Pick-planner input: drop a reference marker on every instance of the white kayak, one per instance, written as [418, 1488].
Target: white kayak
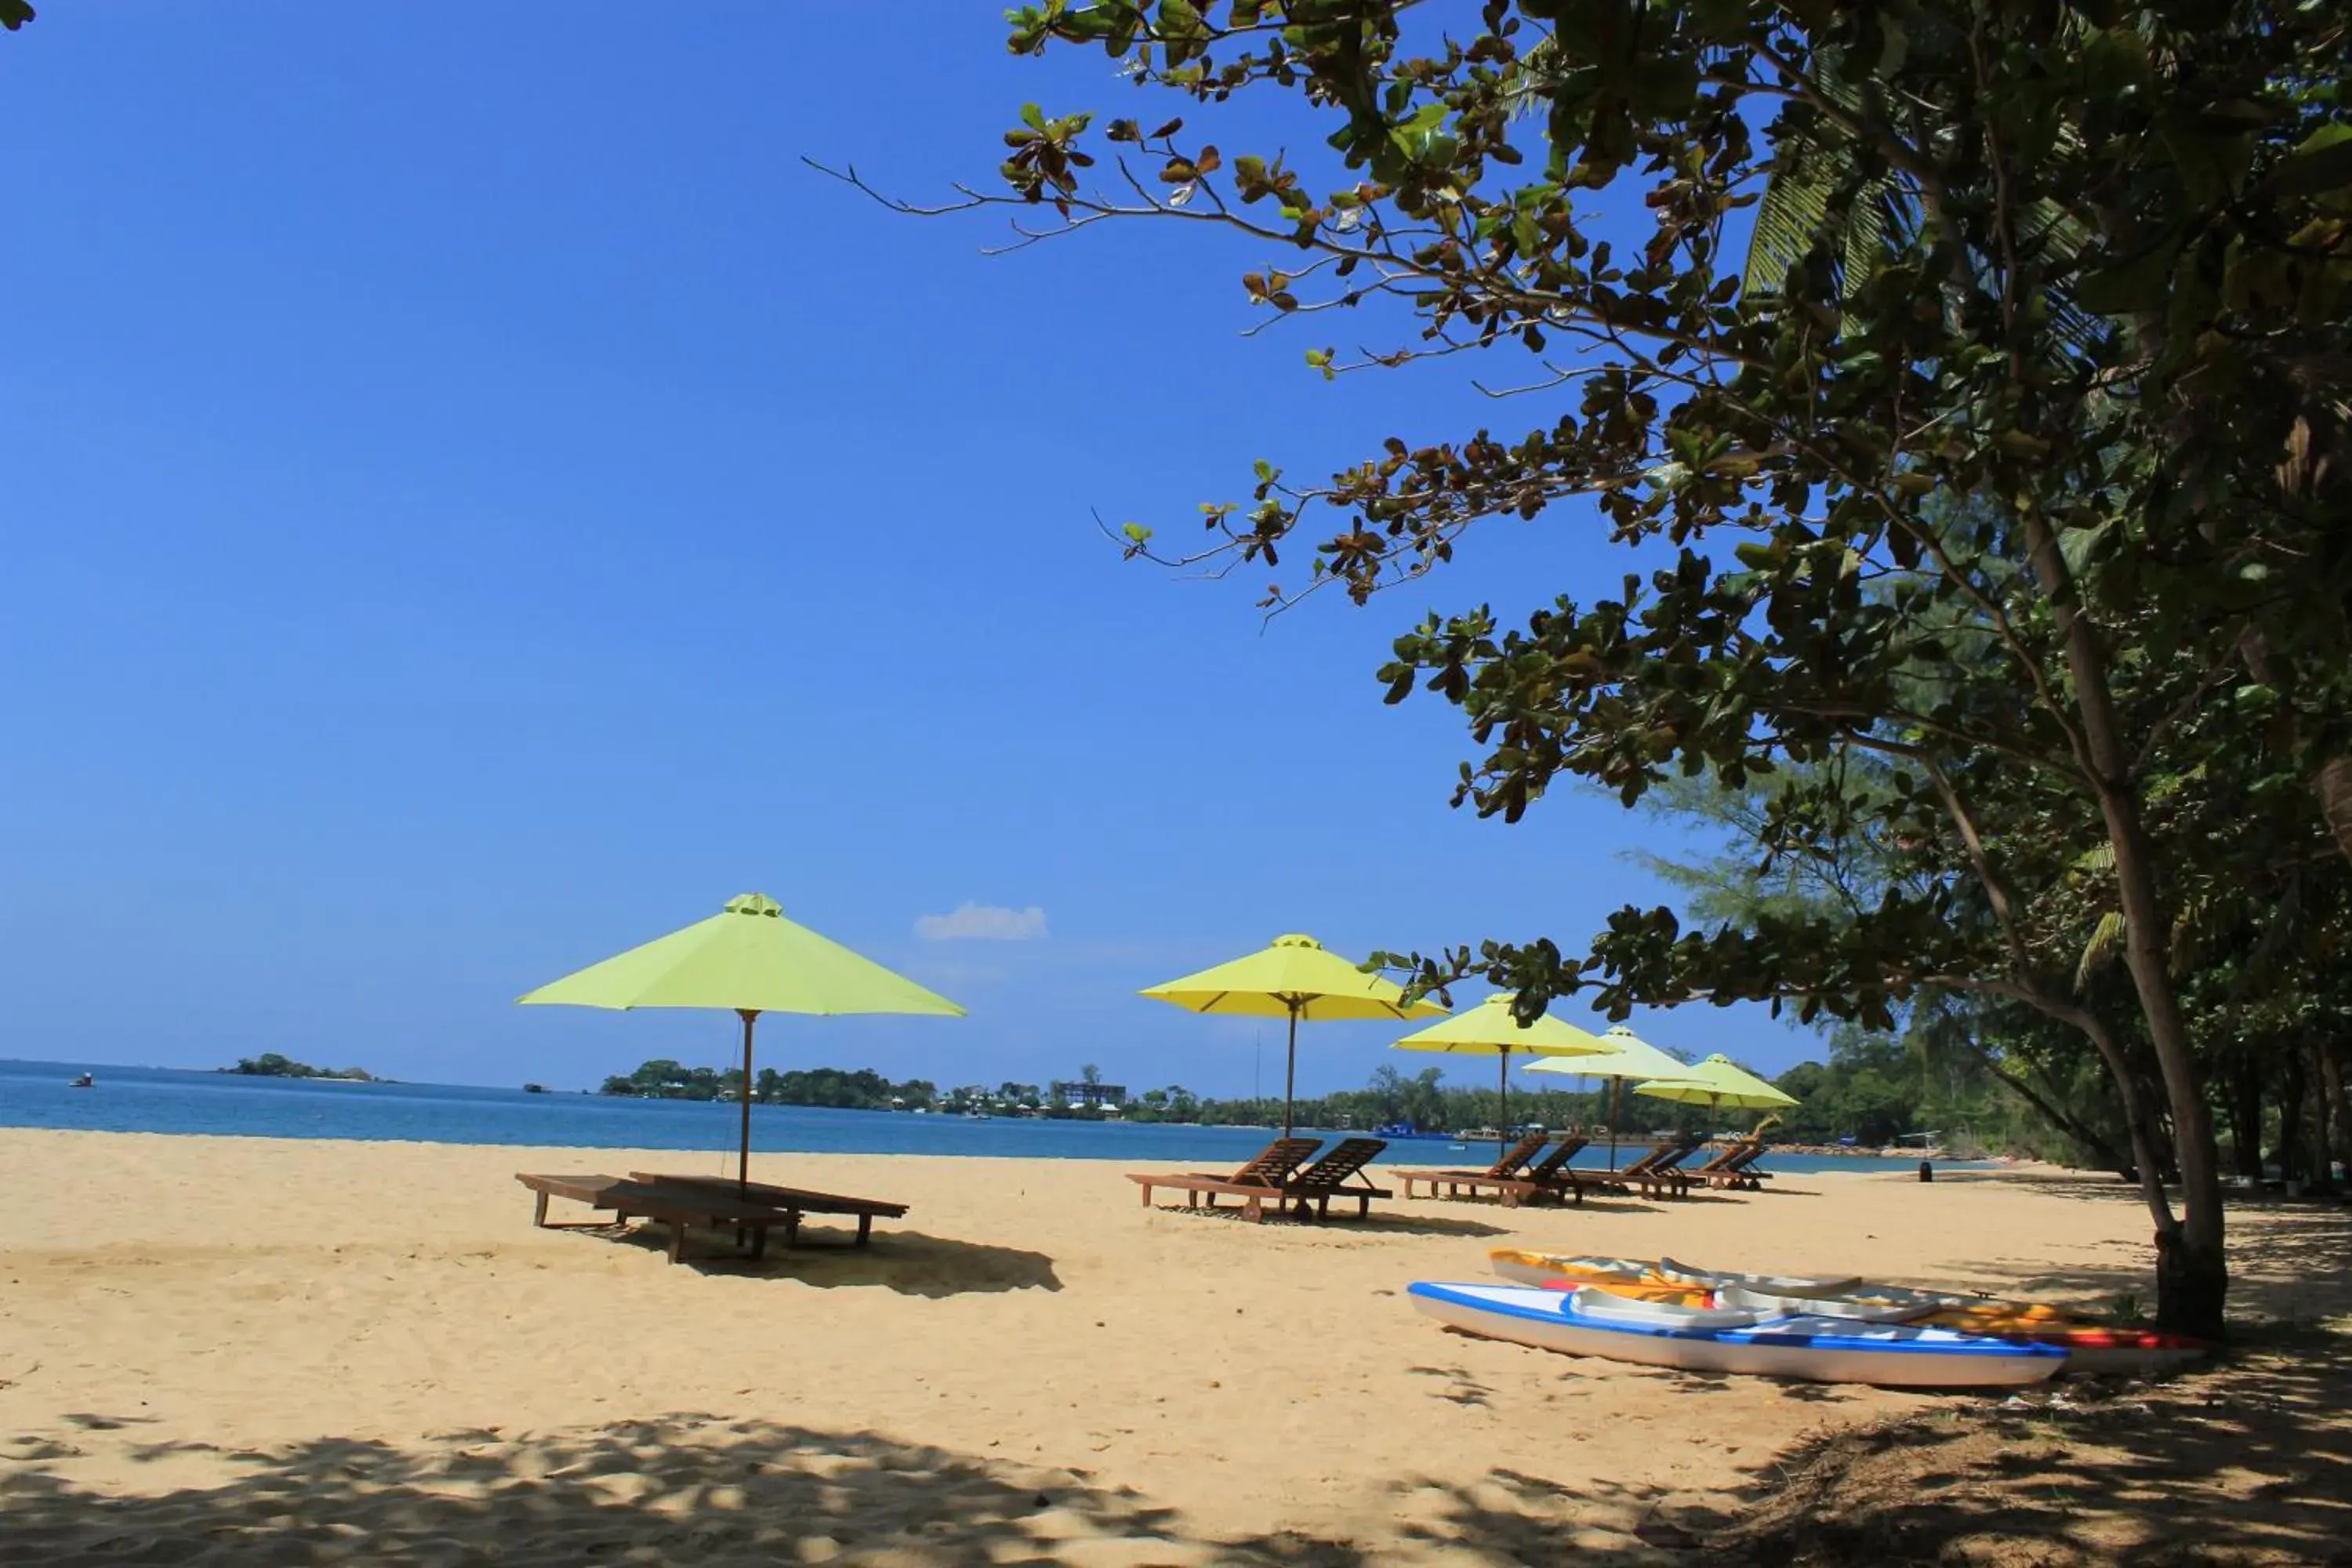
[1811, 1347]
[1674, 1273]
[1535, 1267]
[1848, 1309]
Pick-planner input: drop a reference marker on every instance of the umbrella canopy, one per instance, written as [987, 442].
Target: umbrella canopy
[1716, 1082]
[751, 959]
[1630, 1057]
[1490, 1029]
[1293, 978]
[748, 957]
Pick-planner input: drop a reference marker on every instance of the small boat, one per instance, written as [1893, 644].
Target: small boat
[1592, 1321]
[84, 1082]
[1666, 1268]
[1619, 1275]
[2095, 1349]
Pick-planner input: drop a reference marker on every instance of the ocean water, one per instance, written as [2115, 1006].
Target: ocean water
[165, 1100]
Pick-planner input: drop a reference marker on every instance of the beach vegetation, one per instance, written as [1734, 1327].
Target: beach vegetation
[271, 1064]
[1994, 460]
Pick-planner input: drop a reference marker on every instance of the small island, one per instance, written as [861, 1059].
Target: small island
[269, 1064]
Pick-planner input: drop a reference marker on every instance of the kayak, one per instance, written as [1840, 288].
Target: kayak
[1592, 1321]
[2095, 1348]
[1619, 1275]
[1533, 1268]
[1668, 1269]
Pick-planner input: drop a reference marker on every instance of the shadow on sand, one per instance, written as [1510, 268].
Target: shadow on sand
[691, 1489]
[1379, 1222]
[907, 1261]
[2252, 1464]
[681, 1488]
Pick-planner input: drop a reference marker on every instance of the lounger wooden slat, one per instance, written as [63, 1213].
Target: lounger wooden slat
[1339, 1174]
[1262, 1178]
[789, 1202]
[1735, 1167]
[1653, 1176]
[678, 1208]
[1511, 1180]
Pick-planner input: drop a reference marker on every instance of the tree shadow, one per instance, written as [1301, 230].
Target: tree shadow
[2252, 1464]
[680, 1489]
[2287, 1261]
[1508, 1516]
[907, 1261]
[1379, 1222]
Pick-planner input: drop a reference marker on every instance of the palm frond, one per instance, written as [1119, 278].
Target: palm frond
[2100, 951]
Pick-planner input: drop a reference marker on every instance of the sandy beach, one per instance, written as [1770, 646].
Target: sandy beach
[218, 1350]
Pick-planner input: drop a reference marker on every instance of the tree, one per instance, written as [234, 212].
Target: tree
[1090, 1073]
[1923, 462]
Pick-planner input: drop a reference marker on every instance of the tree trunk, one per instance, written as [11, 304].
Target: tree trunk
[2291, 1098]
[2321, 1154]
[2334, 787]
[2192, 1268]
[2090, 1139]
[2192, 1286]
[2331, 1083]
[2243, 1097]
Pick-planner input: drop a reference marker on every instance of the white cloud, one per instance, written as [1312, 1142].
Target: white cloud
[982, 922]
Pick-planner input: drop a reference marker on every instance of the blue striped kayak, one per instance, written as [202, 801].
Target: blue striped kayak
[1765, 1344]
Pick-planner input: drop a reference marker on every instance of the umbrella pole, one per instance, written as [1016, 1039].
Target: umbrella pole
[1290, 1070]
[743, 1158]
[1503, 1091]
[1616, 1106]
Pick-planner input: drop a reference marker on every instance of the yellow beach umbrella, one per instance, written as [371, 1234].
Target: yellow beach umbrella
[1298, 978]
[1490, 1029]
[749, 960]
[1629, 1058]
[1715, 1083]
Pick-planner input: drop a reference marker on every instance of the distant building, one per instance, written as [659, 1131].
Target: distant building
[1090, 1096]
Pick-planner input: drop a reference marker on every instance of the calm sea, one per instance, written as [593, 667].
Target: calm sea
[164, 1099]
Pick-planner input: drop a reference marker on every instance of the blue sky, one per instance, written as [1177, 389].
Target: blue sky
[475, 502]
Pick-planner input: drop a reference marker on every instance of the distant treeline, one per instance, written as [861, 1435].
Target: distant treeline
[843, 1090]
[1862, 1093]
[269, 1064]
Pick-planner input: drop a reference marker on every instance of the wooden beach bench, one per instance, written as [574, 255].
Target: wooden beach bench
[791, 1203]
[1339, 1173]
[1263, 1177]
[676, 1207]
[1736, 1167]
[1511, 1179]
[1655, 1174]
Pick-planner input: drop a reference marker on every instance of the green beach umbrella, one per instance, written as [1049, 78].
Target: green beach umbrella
[1294, 977]
[749, 960]
[1490, 1030]
[1716, 1082]
[1629, 1058]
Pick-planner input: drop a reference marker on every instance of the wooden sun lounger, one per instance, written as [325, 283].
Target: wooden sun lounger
[1261, 1179]
[791, 1203]
[1339, 1173]
[680, 1208]
[1653, 1176]
[1736, 1167]
[1507, 1170]
[1511, 1179]
[1726, 1158]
